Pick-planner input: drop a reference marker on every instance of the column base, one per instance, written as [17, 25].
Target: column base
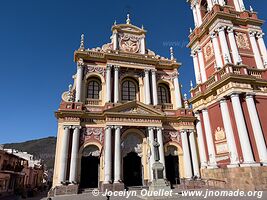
[106, 187]
[233, 165]
[118, 186]
[250, 165]
[212, 167]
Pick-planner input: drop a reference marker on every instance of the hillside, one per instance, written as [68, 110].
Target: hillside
[43, 148]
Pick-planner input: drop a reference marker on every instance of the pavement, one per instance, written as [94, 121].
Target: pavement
[176, 194]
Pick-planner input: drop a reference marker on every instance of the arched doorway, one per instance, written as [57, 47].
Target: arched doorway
[172, 165]
[132, 168]
[132, 160]
[90, 167]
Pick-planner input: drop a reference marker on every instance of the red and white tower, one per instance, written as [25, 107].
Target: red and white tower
[230, 97]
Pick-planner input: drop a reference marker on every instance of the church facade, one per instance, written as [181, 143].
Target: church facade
[126, 100]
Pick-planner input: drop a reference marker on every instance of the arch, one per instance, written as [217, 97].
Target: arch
[168, 83]
[129, 89]
[96, 75]
[101, 162]
[180, 156]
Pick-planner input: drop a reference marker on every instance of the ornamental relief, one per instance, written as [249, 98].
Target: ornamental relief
[129, 43]
[219, 134]
[97, 69]
[96, 133]
[242, 40]
[208, 51]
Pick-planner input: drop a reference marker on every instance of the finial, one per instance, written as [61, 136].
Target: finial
[82, 42]
[70, 94]
[190, 30]
[251, 9]
[172, 54]
[191, 84]
[115, 22]
[128, 20]
[70, 86]
[185, 96]
[142, 27]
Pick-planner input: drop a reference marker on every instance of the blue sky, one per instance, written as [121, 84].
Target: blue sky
[38, 38]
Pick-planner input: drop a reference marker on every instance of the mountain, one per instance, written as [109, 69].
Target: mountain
[43, 148]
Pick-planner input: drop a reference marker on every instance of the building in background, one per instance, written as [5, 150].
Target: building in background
[11, 172]
[230, 98]
[125, 98]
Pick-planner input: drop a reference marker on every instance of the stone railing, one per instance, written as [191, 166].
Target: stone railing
[167, 106]
[93, 102]
[226, 71]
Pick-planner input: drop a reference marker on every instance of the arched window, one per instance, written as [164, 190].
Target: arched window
[163, 94]
[129, 90]
[204, 8]
[93, 89]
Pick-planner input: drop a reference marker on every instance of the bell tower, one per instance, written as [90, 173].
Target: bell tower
[230, 96]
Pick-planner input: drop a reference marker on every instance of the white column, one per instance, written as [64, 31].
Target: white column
[202, 66]
[143, 45]
[229, 134]
[161, 149]
[108, 83]
[210, 4]
[116, 84]
[257, 130]
[211, 150]
[255, 50]
[147, 87]
[64, 154]
[216, 48]
[115, 41]
[154, 87]
[107, 156]
[242, 6]
[187, 157]
[233, 45]
[177, 90]
[152, 152]
[196, 67]
[79, 80]
[74, 154]
[117, 156]
[192, 142]
[201, 144]
[224, 45]
[262, 48]
[195, 15]
[242, 130]
[199, 17]
[237, 6]
[222, 2]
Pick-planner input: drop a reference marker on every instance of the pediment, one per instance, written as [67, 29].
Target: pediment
[128, 28]
[134, 108]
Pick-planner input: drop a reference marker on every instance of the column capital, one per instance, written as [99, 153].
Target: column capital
[153, 71]
[222, 100]
[197, 112]
[151, 128]
[193, 53]
[146, 70]
[230, 29]
[80, 62]
[117, 127]
[221, 28]
[109, 127]
[260, 35]
[204, 110]
[116, 67]
[76, 127]
[109, 66]
[252, 33]
[160, 128]
[184, 131]
[67, 127]
[199, 50]
[250, 95]
[235, 94]
[213, 34]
